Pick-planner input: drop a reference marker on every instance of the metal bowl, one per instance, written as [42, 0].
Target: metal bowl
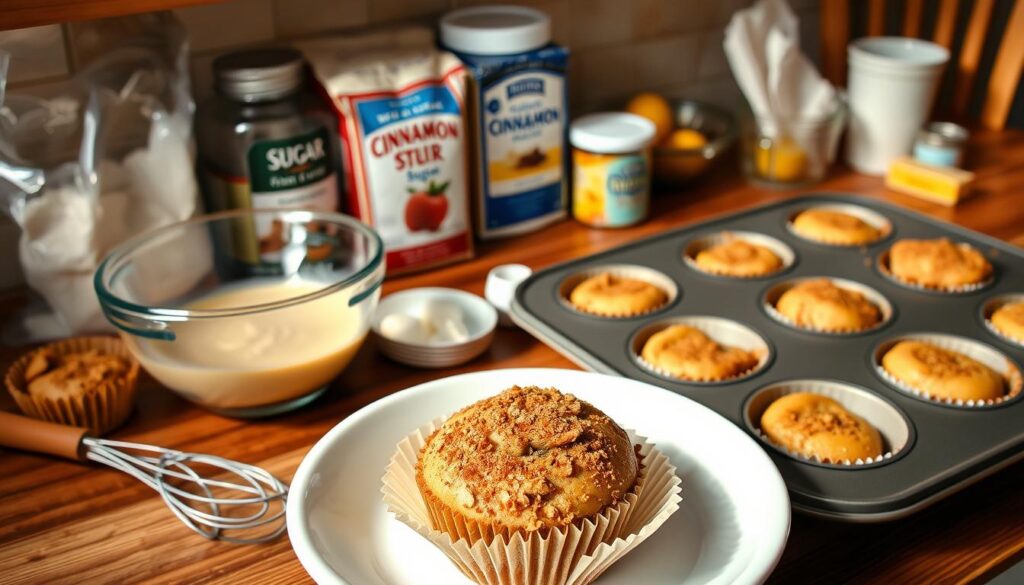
[678, 165]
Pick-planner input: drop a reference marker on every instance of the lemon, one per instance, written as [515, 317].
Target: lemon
[686, 139]
[680, 166]
[656, 109]
[780, 160]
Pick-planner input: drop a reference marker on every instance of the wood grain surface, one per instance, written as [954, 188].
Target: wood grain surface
[63, 522]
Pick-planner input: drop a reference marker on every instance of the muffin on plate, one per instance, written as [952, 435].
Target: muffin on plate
[689, 354]
[85, 382]
[526, 459]
[941, 373]
[834, 227]
[530, 487]
[938, 263]
[1009, 320]
[738, 257]
[821, 305]
[818, 427]
[610, 295]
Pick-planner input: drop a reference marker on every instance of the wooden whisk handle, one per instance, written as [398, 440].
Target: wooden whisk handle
[29, 434]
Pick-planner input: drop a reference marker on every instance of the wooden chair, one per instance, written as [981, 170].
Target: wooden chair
[963, 74]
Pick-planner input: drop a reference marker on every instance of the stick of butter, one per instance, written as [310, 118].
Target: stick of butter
[943, 185]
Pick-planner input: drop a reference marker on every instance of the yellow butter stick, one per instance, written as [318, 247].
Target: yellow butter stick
[938, 184]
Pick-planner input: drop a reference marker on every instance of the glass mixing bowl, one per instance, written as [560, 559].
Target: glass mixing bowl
[245, 312]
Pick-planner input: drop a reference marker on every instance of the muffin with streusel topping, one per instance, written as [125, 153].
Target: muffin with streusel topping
[524, 460]
[818, 427]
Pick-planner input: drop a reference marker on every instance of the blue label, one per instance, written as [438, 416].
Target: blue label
[375, 114]
[628, 188]
[532, 85]
[529, 121]
[503, 211]
[523, 121]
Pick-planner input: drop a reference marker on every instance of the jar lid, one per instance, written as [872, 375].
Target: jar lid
[943, 134]
[495, 30]
[612, 132]
[259, 74]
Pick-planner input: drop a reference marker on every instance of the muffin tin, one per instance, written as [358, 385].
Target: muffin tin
[935, 448]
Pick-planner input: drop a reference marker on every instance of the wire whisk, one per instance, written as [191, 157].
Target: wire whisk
[237, 502]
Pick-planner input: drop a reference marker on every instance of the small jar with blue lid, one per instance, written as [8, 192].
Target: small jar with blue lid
[941, 144]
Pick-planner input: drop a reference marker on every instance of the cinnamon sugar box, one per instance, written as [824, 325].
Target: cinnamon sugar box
[400, 104]
[518, 110]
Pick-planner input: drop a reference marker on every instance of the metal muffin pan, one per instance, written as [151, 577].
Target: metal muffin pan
[947, 447]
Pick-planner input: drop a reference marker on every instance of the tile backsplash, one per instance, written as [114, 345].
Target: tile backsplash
[618, 47]
[38, 54]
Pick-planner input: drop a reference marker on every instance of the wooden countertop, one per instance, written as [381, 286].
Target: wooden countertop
[68, 522]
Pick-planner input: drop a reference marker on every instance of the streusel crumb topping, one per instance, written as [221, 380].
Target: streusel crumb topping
[530, 457]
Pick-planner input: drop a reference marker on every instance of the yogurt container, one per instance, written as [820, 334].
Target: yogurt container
[611, 157]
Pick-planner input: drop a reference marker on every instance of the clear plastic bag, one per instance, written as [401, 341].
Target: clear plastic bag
[95, 160]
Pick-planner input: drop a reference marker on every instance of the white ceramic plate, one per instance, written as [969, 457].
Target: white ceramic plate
[731, 526]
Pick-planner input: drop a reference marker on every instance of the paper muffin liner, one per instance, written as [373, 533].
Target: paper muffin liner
[772, 296]
[778, 247]
[883, 268]
[878, 412]
[868, 216]
[648, 275]
[976, 350]
[725, 331]
[991, 306]
[572, 555]
[100, 411]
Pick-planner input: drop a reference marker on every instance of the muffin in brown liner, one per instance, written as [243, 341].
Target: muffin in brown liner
[575, 554]
[99, 408]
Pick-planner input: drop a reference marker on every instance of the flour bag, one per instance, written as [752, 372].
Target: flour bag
[400, 103]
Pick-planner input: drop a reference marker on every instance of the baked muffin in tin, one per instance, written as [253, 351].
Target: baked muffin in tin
[820, 304]
[738, 258]
[941, 373]
[612, 295]
[688, 353]
[938, 264]
[1009, 320]
[835, 228]
[818, 427]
